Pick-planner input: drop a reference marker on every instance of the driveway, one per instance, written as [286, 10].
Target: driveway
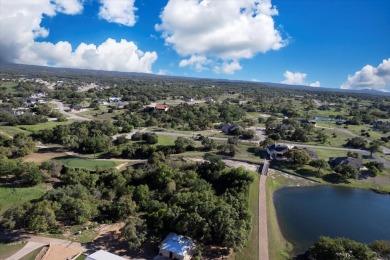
[61, 108]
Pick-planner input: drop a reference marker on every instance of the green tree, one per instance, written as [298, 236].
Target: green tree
[134, 232]
[327, 248]
[347, 171]
[375, 167]
[374, 146]
[319, 164]
[298, 156]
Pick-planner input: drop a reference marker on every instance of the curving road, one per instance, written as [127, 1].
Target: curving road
[61, 108]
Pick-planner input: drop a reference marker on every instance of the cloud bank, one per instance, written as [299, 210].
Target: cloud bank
[20, 27]
[118, 11]
[297, 78]
[370, 77]
[225, 31]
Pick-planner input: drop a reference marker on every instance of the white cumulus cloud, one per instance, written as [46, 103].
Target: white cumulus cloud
[118, 11]
[197, 62]
[370, 77]
[297, 78]
[20, 26]
[316, 84]
[226, 31]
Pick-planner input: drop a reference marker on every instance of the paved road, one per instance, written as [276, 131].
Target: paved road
[263, 228]
[61, 108]
[29, 247]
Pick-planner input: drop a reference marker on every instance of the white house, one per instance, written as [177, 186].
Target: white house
[176, 246]
[103, 255]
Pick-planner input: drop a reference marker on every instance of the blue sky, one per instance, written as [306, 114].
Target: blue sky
[310, 42]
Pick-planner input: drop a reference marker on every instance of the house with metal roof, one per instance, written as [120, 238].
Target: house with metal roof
[176, 246]
[104, 255]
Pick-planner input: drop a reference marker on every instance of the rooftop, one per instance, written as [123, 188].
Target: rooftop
[177, 244]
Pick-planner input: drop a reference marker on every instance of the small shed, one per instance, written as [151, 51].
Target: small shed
[176, 246]
[104, 255]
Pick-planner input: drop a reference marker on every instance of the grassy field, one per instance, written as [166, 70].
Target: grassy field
[166, 140]
[10, 197]
[10, 86]
[32, 254]
[41, 126]
[90, 164]
[6, 250]
[251, 249]
[12, 130]
[327, 153]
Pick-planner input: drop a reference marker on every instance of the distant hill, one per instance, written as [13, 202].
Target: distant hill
[35, 71]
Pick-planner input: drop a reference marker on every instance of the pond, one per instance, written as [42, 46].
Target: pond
[306, 213]
[321, 118]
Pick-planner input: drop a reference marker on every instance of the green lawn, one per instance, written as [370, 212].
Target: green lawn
[81, 257]
[6, 250]
[166, 140]
[90, 164]
[10, 86]
[251, 249]
[10, 197]
[12, 130]
[32, 254]
[41, 126]
[327, 153]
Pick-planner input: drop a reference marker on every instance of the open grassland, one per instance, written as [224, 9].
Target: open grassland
[101, 113]
[39, 157]
[89, 164]
[10, 131]
[9, 86]
[166, 140]
[251, 249]
[7, 250]
[10, 197]
[41, 126]
[327, 153]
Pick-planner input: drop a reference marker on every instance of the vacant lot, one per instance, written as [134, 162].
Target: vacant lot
[10, 197]
[90, 164]
[41, 126]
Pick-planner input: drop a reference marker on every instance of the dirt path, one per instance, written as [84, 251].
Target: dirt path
[263, 229]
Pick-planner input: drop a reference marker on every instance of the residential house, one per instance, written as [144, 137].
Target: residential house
[284, 127]
[277, 151]
[161, 107]
[305, 121]
[77, 108]
[312, 154]
[188, 99]
[209, 99]
[102, 101]
[176, 246]
[114, 99]
[104, 255]
[356, 163]
[120, 105]
[228, 128]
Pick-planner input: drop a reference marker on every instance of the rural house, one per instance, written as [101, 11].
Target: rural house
[114, 99]
[176, 246]
[161, 107]
[229, 128]
[277, 151]
[356, 163]
[103, 255]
